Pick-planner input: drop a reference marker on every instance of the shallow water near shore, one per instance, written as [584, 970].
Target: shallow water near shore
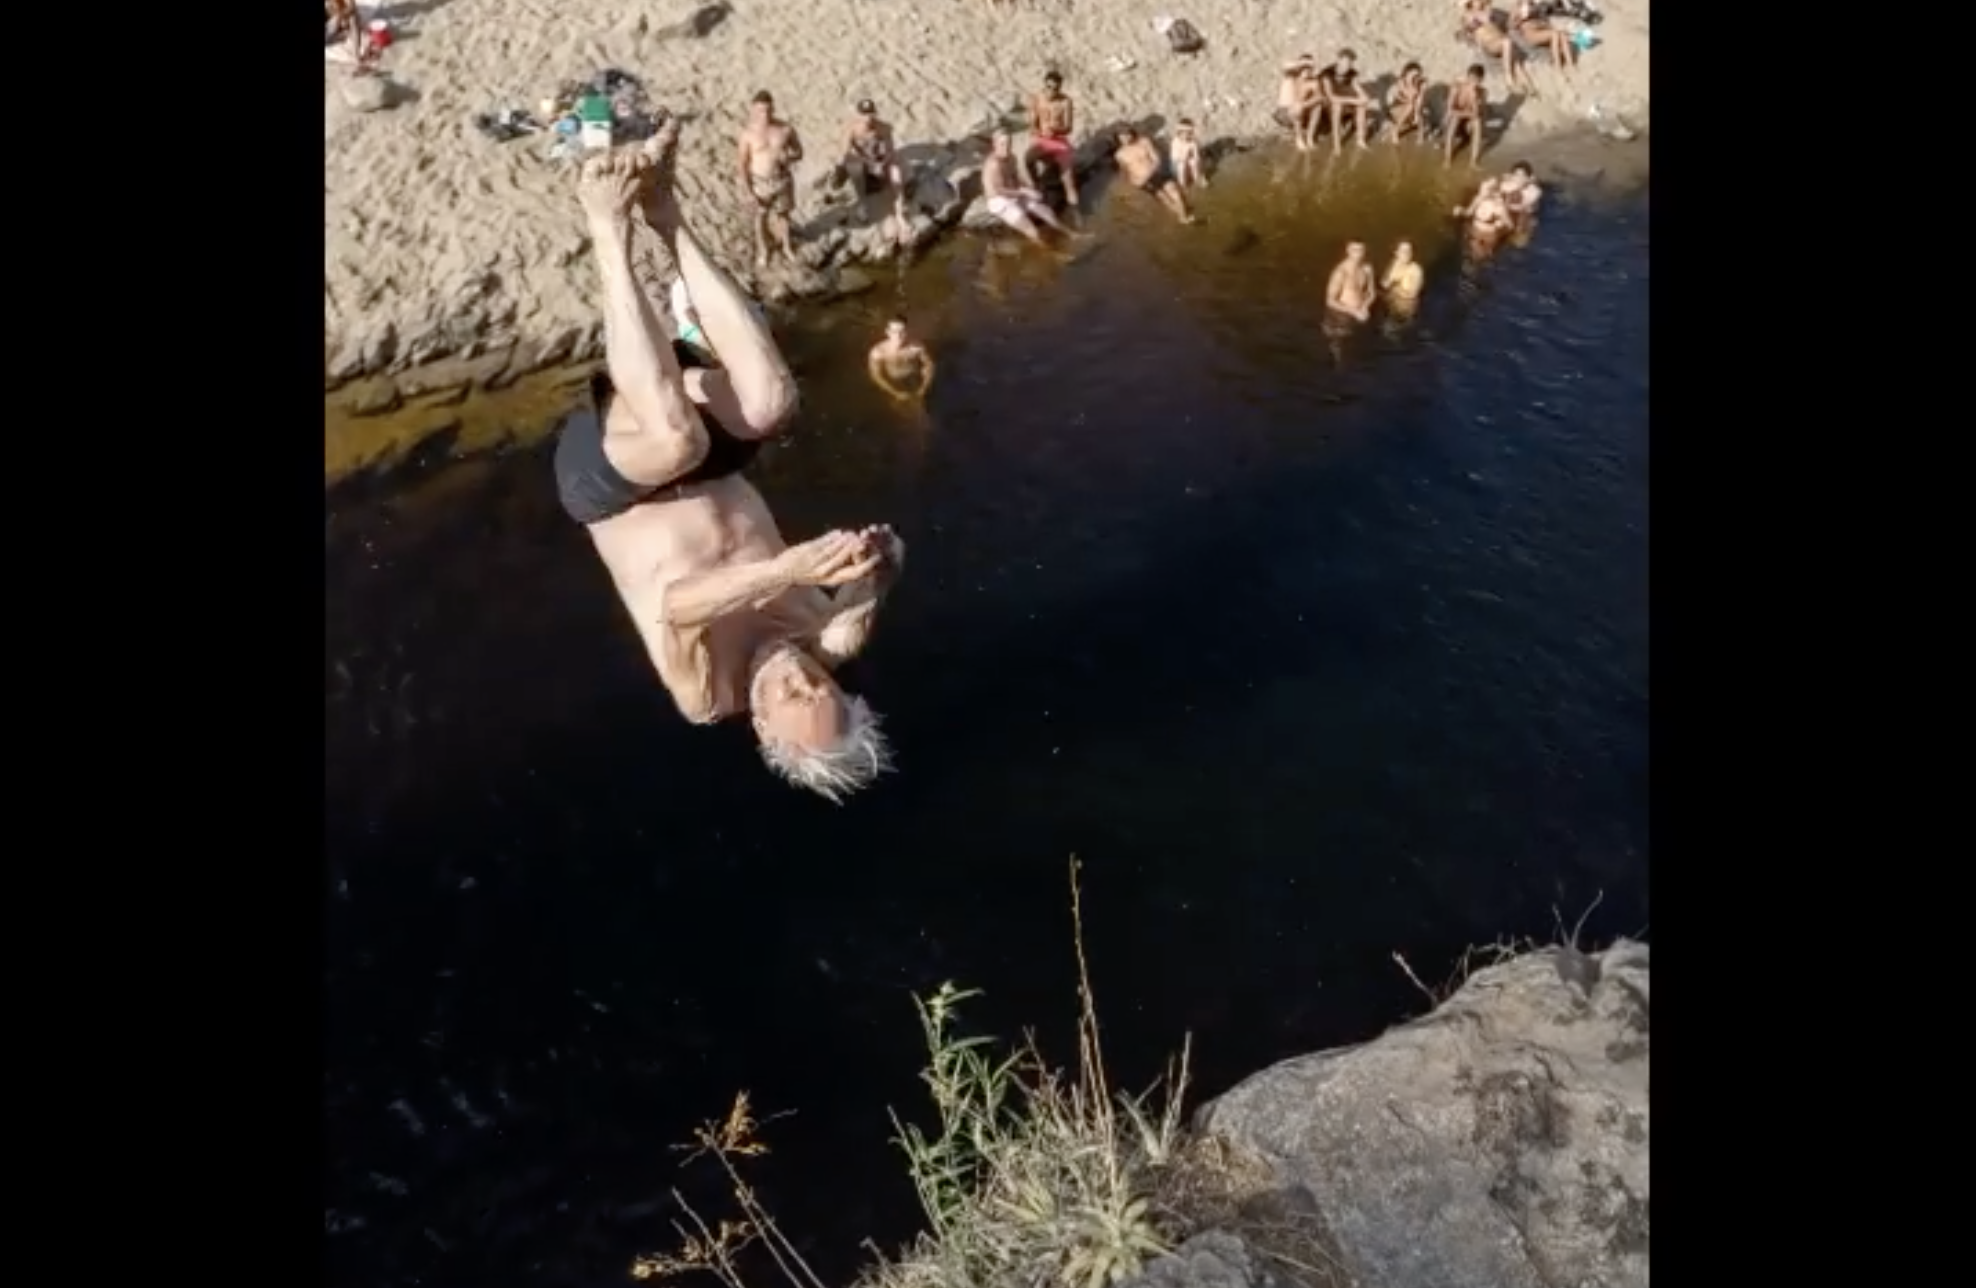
[1312, 651]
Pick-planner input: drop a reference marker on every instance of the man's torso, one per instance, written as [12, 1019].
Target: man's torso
[708, 525]
[1053, 115]
[998, 176]
[872, 142]
[1138, 160]
[1337, 84]
[767, 145]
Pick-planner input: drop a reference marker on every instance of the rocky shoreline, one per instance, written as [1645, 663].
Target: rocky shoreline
[836, 249]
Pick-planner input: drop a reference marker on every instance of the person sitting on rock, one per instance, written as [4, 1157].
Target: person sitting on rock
[871, 162]
[1052, 120]
[1345, 100]
[899, 364]
[733, 618]
[1299, 102]
[1140, 162]
[1010, 196]
[1183, 152]
[1406, 104]
[1467, 102]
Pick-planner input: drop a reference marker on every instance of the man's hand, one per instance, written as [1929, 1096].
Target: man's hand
[880, 540]
[833, 559]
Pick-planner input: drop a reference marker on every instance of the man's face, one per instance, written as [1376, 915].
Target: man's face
[1403, 253]
[1126, 138]
[759, 112]
[1354, 252]
[1052, 86]
[795, 701]
[1184, 132]
[1344, 62]
[1001, 145]
[895, 332]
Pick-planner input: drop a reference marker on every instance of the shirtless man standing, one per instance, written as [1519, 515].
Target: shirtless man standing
[1350, 292]
[1345, 100]
[870, 162]
[1139, 161]
[769, 150]
[1052, 118]
[1403, 281]
[899, 365]
[1467, 101]
[733, 618]
[1298, 99]
[1185, 154]
[1406, 104]
[1011, 197]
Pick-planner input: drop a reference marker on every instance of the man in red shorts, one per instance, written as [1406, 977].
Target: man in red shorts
[1052, 117]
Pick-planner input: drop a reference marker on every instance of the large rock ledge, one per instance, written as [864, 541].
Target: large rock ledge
[1498, 1142]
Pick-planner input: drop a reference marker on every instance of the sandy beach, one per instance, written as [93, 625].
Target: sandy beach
[444, 244]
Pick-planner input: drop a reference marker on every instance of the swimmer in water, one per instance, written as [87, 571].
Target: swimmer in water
[1184, 152]
[1488, 213]
[1520, 191]
[1350, 292]
[1139, 161]
[900, 365]
[736, 621]
[1403, 280]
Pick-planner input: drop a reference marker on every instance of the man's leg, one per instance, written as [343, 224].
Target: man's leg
[1067, 166]
[1175, 201]
[785, 203]
[762, 382]
[1040, 209]
[669, 438]
[1011, 213]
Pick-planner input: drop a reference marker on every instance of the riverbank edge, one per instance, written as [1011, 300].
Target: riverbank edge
[489, 364]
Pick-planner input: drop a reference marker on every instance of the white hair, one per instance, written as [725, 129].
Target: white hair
[851, 763]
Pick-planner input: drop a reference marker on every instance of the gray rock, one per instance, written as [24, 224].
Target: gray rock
[1498, 1142]
[1215, 1259]
[364, 93]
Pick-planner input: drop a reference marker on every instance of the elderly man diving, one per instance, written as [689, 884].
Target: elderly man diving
[734, 618]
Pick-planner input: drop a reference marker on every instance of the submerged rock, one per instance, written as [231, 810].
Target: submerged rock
[1498, 1142]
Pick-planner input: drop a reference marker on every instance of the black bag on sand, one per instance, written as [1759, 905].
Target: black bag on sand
[1183, 38]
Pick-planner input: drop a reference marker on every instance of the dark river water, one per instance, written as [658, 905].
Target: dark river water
[1312, 653]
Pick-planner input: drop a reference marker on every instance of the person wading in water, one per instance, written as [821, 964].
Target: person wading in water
[734, 619]
[769, 148]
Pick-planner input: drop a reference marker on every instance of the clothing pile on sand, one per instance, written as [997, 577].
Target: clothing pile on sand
[610, 107]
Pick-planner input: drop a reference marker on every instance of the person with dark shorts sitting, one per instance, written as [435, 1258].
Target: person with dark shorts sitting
[733, 618]
[1345, 100]
[1140, 162]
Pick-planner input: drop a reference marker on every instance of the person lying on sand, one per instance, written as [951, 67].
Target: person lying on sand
[1299, 100]
[1140, 162]
[1052, 118]
[1403, 280]
[1011, 197]
[1467, 101]
[1350, 292]
[1406, 104]
[1487, 213]
[1184, 153]
[770, 149]
[1538, 33]
[1345, 100]
[734, 619]
[1478, 28]
[899, 365]
[870, 162]
[1520, 190]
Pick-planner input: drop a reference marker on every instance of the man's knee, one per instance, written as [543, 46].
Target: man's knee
[768, 403]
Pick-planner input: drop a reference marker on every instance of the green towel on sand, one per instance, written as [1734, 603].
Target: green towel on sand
[593, 109]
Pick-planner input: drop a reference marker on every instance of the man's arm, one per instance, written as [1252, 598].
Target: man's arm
[1035, 114]
[697, 600]
[926, 370]
[1334, 290]
[792, 146]
[744, 156]
[849, 629]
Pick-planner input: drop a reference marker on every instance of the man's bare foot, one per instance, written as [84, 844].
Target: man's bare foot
[661, 153]
[610, 187]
